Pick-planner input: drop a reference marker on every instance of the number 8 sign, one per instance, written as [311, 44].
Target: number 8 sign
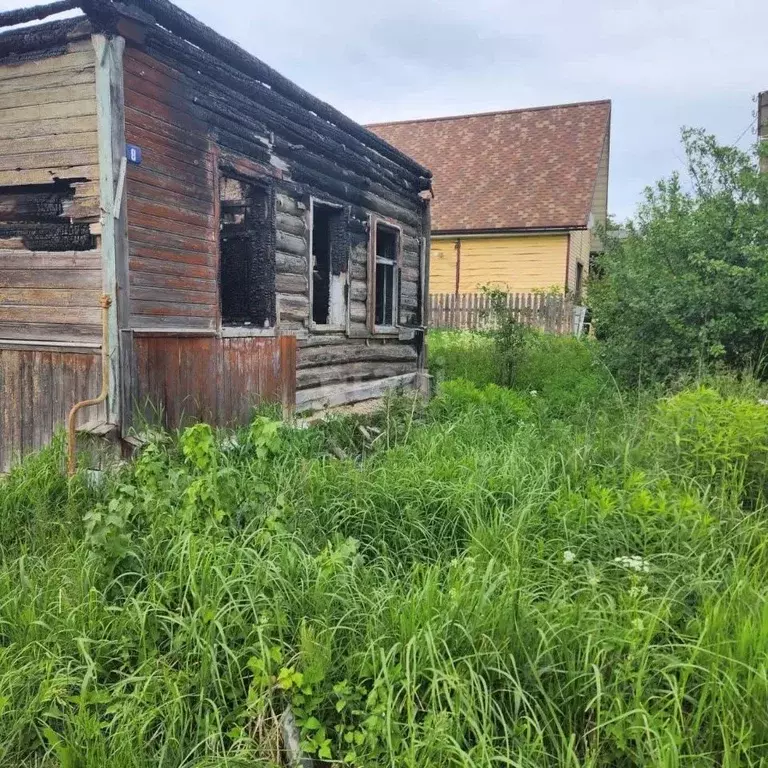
[133, 154]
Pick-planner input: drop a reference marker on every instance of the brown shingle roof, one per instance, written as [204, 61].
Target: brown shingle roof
[524, 169]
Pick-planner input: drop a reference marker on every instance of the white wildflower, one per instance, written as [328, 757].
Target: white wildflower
[762, 401]
[534, 393]
[633, 563]
[568, 556]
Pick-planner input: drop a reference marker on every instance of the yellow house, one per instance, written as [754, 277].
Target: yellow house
[518, 194]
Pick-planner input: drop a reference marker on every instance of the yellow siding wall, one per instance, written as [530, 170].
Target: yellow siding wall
[442, 266]
[517, 263]
[580, 244]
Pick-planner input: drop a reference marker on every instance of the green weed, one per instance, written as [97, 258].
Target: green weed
[466, 584]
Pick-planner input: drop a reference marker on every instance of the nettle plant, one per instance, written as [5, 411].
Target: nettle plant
[203, 489]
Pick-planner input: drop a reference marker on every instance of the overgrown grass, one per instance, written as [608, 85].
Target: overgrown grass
[476, 583]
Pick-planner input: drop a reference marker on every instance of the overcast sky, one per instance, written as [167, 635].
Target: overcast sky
[664, 63]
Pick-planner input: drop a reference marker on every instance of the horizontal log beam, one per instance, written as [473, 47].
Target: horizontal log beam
[23, 15]
[189, 28]
[313, 357]
[351, 372]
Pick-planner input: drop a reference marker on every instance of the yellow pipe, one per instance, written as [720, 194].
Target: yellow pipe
[105, 303]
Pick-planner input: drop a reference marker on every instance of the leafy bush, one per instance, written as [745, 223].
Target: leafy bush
[688, 288]
[719, 439]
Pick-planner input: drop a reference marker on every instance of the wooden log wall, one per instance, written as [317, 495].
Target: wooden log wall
[49, 191]
[183, 108]
[178, 380]
[37, 389]
[197, 120]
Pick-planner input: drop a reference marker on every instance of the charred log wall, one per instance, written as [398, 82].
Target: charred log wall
[50, 270]
[198, 120]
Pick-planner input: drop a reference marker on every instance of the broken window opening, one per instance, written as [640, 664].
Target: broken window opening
[246, 255]
[387, 275]
[329, 265]
[38, 216]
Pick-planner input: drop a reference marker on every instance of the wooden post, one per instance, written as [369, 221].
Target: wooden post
[110, 120]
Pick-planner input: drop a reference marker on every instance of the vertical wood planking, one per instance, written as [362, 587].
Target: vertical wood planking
[212, 379]
[472, 311]
[38, 388]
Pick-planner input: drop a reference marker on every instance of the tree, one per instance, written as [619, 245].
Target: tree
[687, 288]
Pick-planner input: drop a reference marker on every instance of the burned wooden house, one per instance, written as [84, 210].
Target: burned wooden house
[252, 242]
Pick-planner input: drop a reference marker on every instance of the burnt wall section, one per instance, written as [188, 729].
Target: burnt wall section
[50, 267]
[201, 124]
[37, 216]
[246, 253]
[38, 388]
[185, 105]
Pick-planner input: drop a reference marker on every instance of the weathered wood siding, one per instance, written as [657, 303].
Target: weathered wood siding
[50, 263]
[37, 389]
[48, 121]
[48, 133]
[172, 231]
[178, 380]
[197, 121]
[514, 263]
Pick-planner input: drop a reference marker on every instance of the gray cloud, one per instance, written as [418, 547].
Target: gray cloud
[664, 63]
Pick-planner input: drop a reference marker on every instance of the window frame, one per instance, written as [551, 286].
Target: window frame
[311, 324]
[373, 259]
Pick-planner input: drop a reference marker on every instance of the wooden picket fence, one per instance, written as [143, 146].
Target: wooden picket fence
[472, 311]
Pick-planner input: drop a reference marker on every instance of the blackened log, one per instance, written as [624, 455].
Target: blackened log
[330, 168]
[202, 67]
[42, 39]
[186, 26]
[23, 15]
[350, 193]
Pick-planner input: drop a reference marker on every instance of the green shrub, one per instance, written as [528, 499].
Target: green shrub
[687, 289]
[723, 440]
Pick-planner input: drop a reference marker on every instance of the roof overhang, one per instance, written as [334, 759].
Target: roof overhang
[559, 230]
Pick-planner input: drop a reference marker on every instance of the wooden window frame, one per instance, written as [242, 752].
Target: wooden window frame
[311, 324]
[374, 223]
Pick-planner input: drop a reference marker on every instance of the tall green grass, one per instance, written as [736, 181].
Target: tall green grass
[475, 583]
